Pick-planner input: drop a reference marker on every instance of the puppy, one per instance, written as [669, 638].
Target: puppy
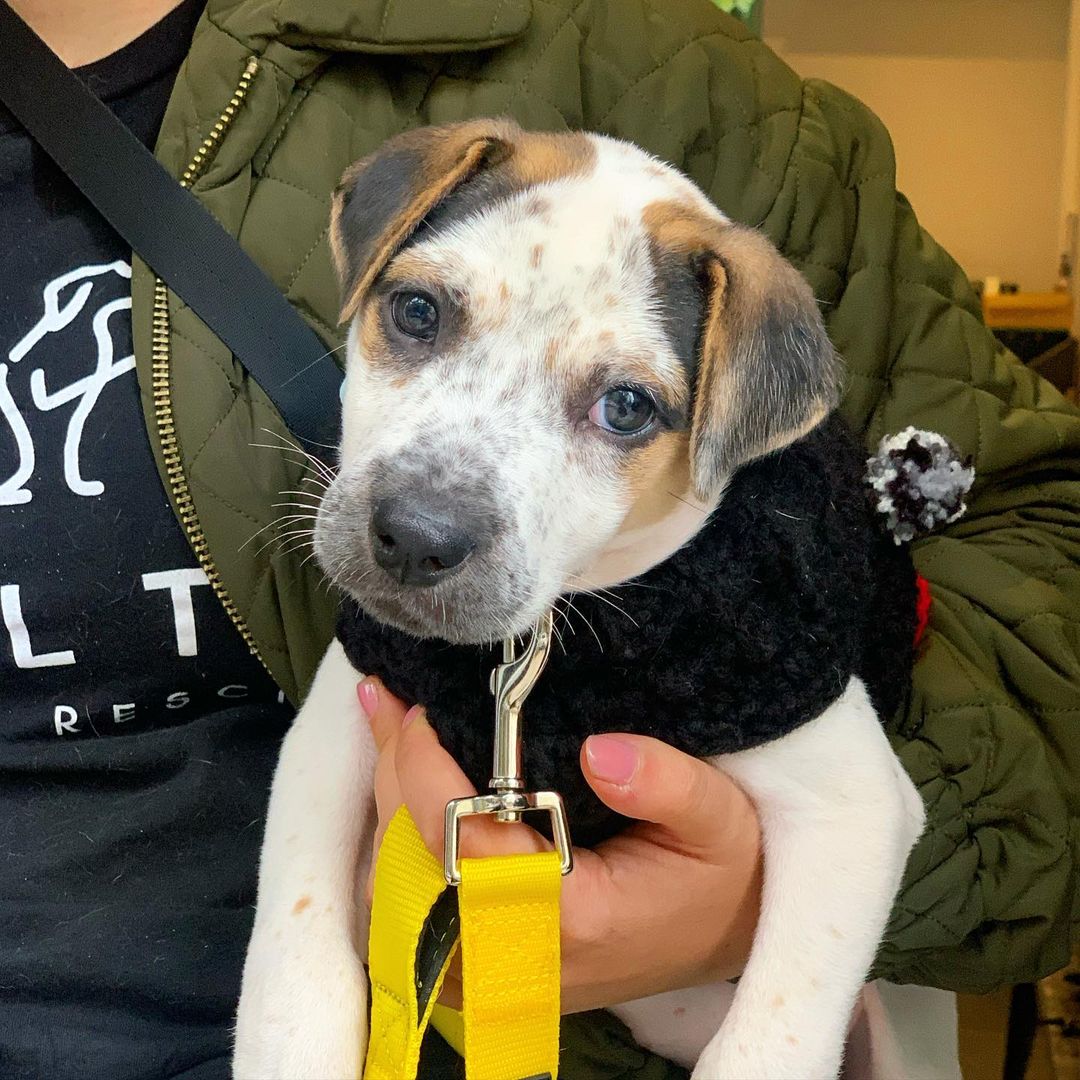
[560, 355]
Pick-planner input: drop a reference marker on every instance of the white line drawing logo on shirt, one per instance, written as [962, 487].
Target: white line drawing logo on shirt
[60, 310]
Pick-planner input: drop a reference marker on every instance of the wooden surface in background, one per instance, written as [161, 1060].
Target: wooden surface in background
[1028, 311]
[1059, 1017]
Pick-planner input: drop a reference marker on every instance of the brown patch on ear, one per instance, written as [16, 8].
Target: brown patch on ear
[383, 199]
[412, 268]
[680, 228]
[766, 370]
[542, 156]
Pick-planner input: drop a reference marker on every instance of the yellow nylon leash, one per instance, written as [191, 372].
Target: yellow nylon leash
[507, 907]
[510, 961]
[408, 881]
[510, 965]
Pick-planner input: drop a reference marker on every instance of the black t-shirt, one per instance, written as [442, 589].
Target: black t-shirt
[137, 733]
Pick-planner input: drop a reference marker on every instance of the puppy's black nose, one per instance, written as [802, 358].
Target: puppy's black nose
[418, 544]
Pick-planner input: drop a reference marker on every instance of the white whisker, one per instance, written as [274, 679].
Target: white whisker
[287, 444]
[611, 604]
[573, 607]
[282, 538]
[278, 521]
[304, 506]
[295, 547]
[308, 367]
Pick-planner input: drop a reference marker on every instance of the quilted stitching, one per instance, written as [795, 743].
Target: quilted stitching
[816, 170]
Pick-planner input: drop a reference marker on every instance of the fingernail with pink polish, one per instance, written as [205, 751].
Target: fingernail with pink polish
[611, 759]
[411, 715]
[369, 697]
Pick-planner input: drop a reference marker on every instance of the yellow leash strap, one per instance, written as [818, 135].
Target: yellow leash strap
[408, 881]
[510, 961]
[510, 965]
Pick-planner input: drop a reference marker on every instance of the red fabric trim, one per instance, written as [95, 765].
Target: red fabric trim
[923, 602]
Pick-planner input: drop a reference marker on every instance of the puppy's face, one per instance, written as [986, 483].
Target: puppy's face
[559, 352]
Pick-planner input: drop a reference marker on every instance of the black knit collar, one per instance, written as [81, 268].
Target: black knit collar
[747, 632]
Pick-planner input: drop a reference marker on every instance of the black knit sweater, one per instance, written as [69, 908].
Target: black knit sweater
[748, 631]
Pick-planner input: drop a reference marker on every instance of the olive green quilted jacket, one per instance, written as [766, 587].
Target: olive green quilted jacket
[990, 730]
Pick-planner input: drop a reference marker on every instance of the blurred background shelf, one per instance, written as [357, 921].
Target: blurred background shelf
[1028, 310]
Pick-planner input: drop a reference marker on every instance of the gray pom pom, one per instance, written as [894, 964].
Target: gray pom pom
[918, 481]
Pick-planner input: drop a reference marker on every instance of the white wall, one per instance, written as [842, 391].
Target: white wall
[973, 93]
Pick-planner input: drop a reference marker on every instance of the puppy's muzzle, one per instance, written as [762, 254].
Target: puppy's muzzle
[419, 542]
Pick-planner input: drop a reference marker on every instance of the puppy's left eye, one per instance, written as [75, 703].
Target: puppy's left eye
[415, 315]
[624, 410]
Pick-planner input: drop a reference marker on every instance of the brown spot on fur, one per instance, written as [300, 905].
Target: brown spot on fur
[301, 904]
[792, 1040]
[778, 1002]
[536, 255]
[539, 207]
[600, 278]
[833, 932]
[374, 348]
[657, 476]
[552, 352]
[491, 312]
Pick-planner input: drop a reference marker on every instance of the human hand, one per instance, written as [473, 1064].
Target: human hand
[670, 902]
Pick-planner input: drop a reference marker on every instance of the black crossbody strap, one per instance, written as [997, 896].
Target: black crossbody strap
[176, 237]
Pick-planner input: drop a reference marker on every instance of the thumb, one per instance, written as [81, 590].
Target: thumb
[384, 711]
[700, 807]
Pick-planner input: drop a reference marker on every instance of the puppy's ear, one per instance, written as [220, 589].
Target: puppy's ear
[383, 198]
[766, 372]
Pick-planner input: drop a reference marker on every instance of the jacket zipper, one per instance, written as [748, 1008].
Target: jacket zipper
[161, 355]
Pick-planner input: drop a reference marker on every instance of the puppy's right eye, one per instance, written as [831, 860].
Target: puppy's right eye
[415, 315]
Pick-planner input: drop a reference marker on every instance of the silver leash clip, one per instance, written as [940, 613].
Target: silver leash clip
[511, 683]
